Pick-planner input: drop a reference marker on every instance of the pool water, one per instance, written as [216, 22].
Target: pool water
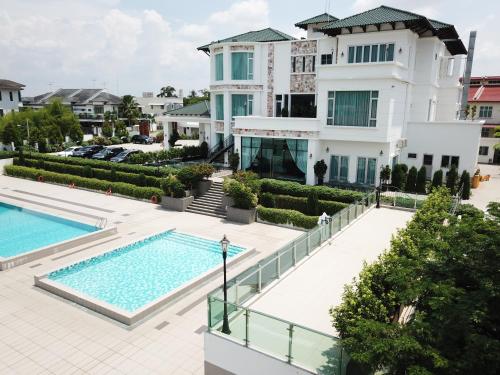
[24, 230]
[137, 274]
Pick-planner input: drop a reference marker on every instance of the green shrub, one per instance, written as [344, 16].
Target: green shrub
[112, 174]
[465, 185]
[300, 204]
[248, 178]
[234, 161]
[267, 200]
[173, 187]
[398, 177]
[411, 180]
[298, 190]
[451, 179]
[89, 183]
[421, 180]
[87, 171]
[204, 150]
[312, 203]
[242, 195]
[320, 170]
[7, 154]
[437, 179]
[280, 216]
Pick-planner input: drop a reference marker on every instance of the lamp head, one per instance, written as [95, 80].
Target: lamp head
[224, 244]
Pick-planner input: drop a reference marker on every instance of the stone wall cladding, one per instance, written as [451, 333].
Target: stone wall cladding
[236, 87]
[300, 67]
[276, 133]
[303, 83]
[304, 47]
[241, 48]
[219, 126]
[270, 79]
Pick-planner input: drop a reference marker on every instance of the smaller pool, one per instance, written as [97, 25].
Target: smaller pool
[23, 230]
[132, 276]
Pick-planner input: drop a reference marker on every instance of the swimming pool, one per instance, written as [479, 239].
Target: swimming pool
[133, 277]
[23, 230]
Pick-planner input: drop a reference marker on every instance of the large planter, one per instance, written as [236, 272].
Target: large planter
[227, 201]
[5, 162]
[203, 187]
[240, 215]
[176, 204]
[475, 181]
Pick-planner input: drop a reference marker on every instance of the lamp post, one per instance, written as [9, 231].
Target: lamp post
[224, 243]
[379, 187]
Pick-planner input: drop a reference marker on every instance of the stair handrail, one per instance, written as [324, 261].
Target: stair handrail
[214, 151]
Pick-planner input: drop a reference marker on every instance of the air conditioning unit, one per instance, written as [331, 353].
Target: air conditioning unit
[402, 143]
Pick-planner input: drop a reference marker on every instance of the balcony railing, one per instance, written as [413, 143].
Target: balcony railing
[287, 341]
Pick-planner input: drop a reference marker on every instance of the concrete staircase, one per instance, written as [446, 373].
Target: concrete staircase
[210, 203]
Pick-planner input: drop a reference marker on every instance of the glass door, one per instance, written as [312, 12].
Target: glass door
[428, 165]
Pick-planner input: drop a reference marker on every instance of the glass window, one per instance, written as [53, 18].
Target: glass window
[445, 161]
[454, 161]
[359, 53]
[485, 111]
[350, 59]
[412, 155]
[326, 59]
[366, 171]
[339, 168]
[219, 107]
[344, 168]
[483, 150]
[219, 67]
[361, 173]
[374, 53]
[485, 132]
[241, 65]
[382, 52]
[18, 96]
[10, 96]
[390, 52]
[241, 105]
[371, 53]
[293, 64]
[370, 174]
[352, 108]
[366, 54]
[334, 167]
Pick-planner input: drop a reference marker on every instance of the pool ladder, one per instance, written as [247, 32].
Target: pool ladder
[102, 222]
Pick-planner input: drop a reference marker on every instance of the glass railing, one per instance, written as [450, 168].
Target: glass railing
[402, 199]
[292, 343]
[287, 341]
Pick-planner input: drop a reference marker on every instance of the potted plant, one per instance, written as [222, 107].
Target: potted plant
[320, 170]
[476, 178]
[234, 162]
[245, 202]
[203, 171]
[175, 194]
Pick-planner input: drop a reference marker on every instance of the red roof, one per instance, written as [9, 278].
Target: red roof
[485, 94]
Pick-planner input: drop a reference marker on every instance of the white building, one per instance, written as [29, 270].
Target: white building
[10, 96]
[155, 106]
[373, 89]
[484, 95]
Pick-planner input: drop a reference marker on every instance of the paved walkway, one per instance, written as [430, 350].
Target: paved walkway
[305, 294]
[488, 191]
[44, 334]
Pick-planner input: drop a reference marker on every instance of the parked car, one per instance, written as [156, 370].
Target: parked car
[108, 153]
[124, 156]
[87, 151]
[144, 139]
[69, 151]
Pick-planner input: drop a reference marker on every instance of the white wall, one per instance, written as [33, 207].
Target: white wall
[8, 105]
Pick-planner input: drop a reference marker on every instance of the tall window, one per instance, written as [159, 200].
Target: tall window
[352, 108]
[483, 150]
[326, 59]
[11, 96]
[447, 161]
[339, 168]
[18, 96]
[279, 105]
[366, 171]
[242, 65]
[485, 111]
[241, 105]
[219, 107]
[219, 67]
[370, 53]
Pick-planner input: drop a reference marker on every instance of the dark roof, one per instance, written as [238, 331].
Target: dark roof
[322, 18]
[11, 85]
[75, 97]
[107, 98]
[200, 109]
[264, 35]
[413, 21]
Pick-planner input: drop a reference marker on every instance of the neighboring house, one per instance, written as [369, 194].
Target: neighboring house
[192, 120]
[155, 106]
[484, 93]
[89, 105]
[377, 88]
[10, 96]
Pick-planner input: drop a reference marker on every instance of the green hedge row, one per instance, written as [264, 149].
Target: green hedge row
[7, 154]
[89, 183]
[128, 168]
[300, 204]
[281, 216]
[89, 172]
[298, 190]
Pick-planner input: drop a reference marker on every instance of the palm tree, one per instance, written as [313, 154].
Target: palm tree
[192, 94]
[167, 91]
[129, 109]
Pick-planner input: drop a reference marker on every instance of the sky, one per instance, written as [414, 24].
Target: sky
[133, 46]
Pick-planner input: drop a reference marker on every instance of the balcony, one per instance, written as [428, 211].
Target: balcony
[291, 127]
[360, 71]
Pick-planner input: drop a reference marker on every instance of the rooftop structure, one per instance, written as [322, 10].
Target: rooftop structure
[10, 96]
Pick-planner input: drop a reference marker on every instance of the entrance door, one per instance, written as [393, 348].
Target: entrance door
[428, 166]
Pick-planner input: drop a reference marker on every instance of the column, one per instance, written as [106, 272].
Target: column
[313, 155]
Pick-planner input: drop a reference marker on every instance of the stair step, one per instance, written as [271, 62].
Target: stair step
[207, 206]
[207, 203]
[207, 209]
[222, 216]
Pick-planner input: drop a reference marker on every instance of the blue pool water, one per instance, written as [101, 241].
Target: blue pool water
[24, 230]
[134, 275]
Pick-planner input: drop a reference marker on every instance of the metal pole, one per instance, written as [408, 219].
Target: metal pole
[225, 323]
[377, 195]
[467, 74]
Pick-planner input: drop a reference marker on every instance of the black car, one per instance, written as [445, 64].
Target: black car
[144, 139]
[108, 153]
[123, 156]
[87, 151]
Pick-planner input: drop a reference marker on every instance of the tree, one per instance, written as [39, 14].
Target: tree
[234, 161]
[320, 170]
[313, 203]
[437, 179]
[421, 181]
[385, 175]
[204, 150]
[167, 92]
[10, 134]
[193, 97]
[411, 180]
[473, 111]
[174, 137]
[121, 129]
[107, 130]
[76, 133]
[465, 185]
[398, 178]
[129, 109]
[451, 179]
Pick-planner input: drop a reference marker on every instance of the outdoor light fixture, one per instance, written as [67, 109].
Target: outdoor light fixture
[310, 156]
[327, 149]
[342, 54]
[224, 243]
[400, 50]
[381, 153]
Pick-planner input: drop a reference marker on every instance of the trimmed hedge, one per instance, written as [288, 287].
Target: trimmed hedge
[7, 154]
[298, 190]
[128, 168]
[300, 204]
[87, 171]
[89, 183]
[281, 216]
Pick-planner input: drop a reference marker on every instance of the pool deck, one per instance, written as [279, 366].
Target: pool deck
[45, 334]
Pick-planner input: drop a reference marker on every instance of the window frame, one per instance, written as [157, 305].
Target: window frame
[371, 53]
[219, 57]
[326, 59]
[249, 104]
[339, 177]
[11, 96]
[217, 98]
[372, 111]
[450, 159]
[485, 108]
[250, 63]
[485, 150]
[410, 155]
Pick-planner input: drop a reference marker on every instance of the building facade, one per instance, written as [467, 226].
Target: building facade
[156, 106]
[370, 90]
[484, 96]
[10, 96]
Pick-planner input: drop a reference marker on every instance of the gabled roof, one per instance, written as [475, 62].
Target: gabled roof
[387, 15]
[322, 18]
[200, 109]
[75, 97]
[10, 85]
[484, 94]
[264, 35]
